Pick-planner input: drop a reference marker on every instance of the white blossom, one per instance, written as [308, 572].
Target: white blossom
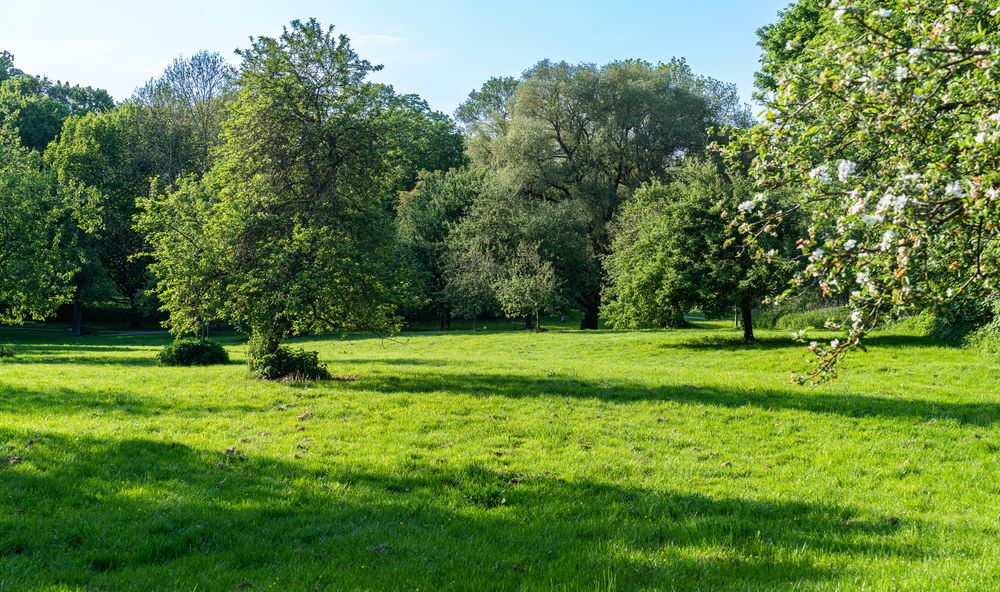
[850, 244]
[954, 189]
[845, 170]
[746, 206]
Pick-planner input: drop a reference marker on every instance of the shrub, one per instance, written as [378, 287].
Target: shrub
[287, 362]
[193, 352]
[812, 319]
[6, 351]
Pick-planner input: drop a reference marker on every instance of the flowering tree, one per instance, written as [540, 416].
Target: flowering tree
[887, 116]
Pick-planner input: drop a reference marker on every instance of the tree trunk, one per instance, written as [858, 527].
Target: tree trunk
[76, 328]
[527, 322]
[538, 320]
[747, 313]
[473, 321]
[445, 319]
[135, 315]
[589, 308]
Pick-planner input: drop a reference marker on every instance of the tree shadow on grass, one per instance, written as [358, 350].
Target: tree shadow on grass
[143, 514]
[66, 401]
[623, 391]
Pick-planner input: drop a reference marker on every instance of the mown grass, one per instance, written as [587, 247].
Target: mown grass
[500, 461]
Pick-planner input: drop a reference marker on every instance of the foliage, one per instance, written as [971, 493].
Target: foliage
[185, 106]
[521, 256]
[885, 116]
[416, 139]
[296, 235]
[424, 219]
[269, 363]
[672, 250]
[6, 351]
[35, 106]
[193, 352]
[591, 135]
[37, 259]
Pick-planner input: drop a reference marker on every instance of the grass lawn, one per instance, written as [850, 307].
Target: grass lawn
[500, 461]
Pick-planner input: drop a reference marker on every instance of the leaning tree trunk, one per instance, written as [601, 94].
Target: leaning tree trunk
[746, 310]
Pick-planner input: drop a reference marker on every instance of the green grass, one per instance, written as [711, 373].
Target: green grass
[503, 461]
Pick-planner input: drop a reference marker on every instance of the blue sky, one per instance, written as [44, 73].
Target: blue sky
[440, 49]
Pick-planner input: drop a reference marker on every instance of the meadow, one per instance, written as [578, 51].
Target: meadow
[500, 460]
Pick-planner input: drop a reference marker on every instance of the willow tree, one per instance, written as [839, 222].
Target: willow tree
[593, 135]
[296, 234]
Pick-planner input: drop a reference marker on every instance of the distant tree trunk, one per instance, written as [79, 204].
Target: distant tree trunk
[746, 309]
[76, 328]
[445, 319]
[527, 322]
[589, 308]
[473, 321]
[135, 314]
[538, 320]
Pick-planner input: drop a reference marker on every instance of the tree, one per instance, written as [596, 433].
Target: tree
[528, 285]
[36, 259]
[424, 220]
[673, 250]
[296, 238]
[417, 139]
[36, 107]
[887, 120]
[591, 136]
[187, 102]
[486, 115]
[518, 255]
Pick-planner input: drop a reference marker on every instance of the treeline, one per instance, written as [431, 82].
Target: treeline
[292, 194]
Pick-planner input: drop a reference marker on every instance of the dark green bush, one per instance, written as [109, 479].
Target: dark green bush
[193, 352]
[6, 351]
[287, 362]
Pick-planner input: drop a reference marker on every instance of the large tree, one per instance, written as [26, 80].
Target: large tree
[297, 235]
[886, 115]
[36, 258]
[592, 135]
[425, 217]
[516, 255]
[673, 249]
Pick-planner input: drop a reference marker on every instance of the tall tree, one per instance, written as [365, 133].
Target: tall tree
[425, 217]
[299, 237]
[36, 258]
[592, 135]
[188, 102]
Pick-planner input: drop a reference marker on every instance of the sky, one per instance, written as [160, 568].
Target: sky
[439, 49]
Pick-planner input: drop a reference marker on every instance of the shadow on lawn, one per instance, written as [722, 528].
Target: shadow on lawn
[67, 401]
[88, 512]
[847, 405]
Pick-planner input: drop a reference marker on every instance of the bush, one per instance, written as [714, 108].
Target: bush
[811, 319]
[193, 352]
[6, 351]
[287, 362]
